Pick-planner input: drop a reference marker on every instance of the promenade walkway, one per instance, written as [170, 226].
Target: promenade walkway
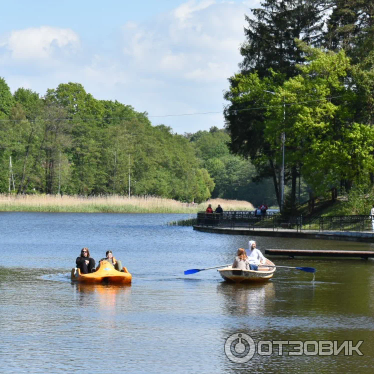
[319, 253]
[358, 236]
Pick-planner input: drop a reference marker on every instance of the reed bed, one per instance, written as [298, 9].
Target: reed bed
[109, 204]
[184, 222]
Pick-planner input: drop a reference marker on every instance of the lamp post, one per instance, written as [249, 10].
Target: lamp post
[283, 141]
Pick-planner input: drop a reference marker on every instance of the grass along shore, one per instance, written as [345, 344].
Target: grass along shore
[109, 204]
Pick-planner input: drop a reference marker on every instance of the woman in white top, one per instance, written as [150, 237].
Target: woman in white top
[255, 256]
[241, 260]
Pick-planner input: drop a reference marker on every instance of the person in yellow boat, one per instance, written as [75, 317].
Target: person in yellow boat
[84, 262]
[241, 260]
[111, 259]
[255, 257]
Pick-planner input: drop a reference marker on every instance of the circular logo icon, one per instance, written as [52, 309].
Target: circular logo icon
[239, 348]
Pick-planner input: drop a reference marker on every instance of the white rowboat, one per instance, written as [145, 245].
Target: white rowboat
[263, 274]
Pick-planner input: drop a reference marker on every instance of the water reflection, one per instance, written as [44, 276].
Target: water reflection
[246, 299]
[106, 297]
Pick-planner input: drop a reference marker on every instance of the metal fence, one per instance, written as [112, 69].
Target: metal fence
[246, 219]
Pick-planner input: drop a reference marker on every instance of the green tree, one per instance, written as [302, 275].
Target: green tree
[322, 135]
[31, 102]
[6, 99]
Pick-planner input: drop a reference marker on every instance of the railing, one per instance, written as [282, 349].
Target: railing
[346, 223]
[246, 219]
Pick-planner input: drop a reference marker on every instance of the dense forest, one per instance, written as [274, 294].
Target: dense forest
[304, 96]
[70, 143]
[67, 142]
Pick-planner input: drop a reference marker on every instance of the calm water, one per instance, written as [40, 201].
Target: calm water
[167, 322]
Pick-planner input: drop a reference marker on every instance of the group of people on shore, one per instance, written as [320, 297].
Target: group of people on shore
[218, 210]
[86, 263]
[261, 210]
[249, 262]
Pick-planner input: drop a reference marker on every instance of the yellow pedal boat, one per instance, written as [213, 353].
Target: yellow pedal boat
[106, 273]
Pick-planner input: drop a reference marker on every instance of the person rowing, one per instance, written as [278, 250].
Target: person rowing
[241, 260]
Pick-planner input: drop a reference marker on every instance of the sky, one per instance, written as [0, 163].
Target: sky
[169, 58]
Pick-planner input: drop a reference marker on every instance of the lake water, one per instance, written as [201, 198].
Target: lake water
[165, 321]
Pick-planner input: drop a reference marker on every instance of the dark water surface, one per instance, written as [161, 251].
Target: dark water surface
[165, 321]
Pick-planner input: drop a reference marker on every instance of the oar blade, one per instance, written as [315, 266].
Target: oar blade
[191, 271]
[308, 270]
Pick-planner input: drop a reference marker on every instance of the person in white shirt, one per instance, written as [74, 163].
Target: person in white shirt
[255, 256]
[372, 217]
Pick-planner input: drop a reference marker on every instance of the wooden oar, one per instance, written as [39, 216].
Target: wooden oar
[308, 270]
[193, 271]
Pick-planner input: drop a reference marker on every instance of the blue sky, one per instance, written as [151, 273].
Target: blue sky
[170, 58]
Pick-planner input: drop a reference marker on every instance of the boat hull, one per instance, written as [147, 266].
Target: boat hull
[106, 273]
[239, 276]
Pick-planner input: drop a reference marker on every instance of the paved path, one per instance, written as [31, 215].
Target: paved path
[319, 253]
[359, 236]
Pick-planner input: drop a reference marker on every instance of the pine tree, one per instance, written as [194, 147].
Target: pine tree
[272, 32]
[351, 27]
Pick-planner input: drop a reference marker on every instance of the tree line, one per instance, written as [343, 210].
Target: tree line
[68, 142]
[306, 81]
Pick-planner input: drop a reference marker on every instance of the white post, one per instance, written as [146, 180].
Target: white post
[129, 177]
[59, 174]
[10, 171]
[11, 176]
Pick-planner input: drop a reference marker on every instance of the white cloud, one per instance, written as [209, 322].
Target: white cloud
[40, 43]
[175, 63]
[186, 10]
[196, 37]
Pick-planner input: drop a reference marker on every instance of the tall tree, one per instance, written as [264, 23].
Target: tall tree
[351, 27]
[271, 34]
[270, 56]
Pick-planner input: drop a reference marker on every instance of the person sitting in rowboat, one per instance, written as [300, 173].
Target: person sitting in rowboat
[255, 257]
[111, 259]
[241, 260]
[84, 262]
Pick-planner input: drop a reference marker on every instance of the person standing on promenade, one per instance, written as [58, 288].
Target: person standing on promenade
[219, 209]
[372, 218]
[263, 209]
